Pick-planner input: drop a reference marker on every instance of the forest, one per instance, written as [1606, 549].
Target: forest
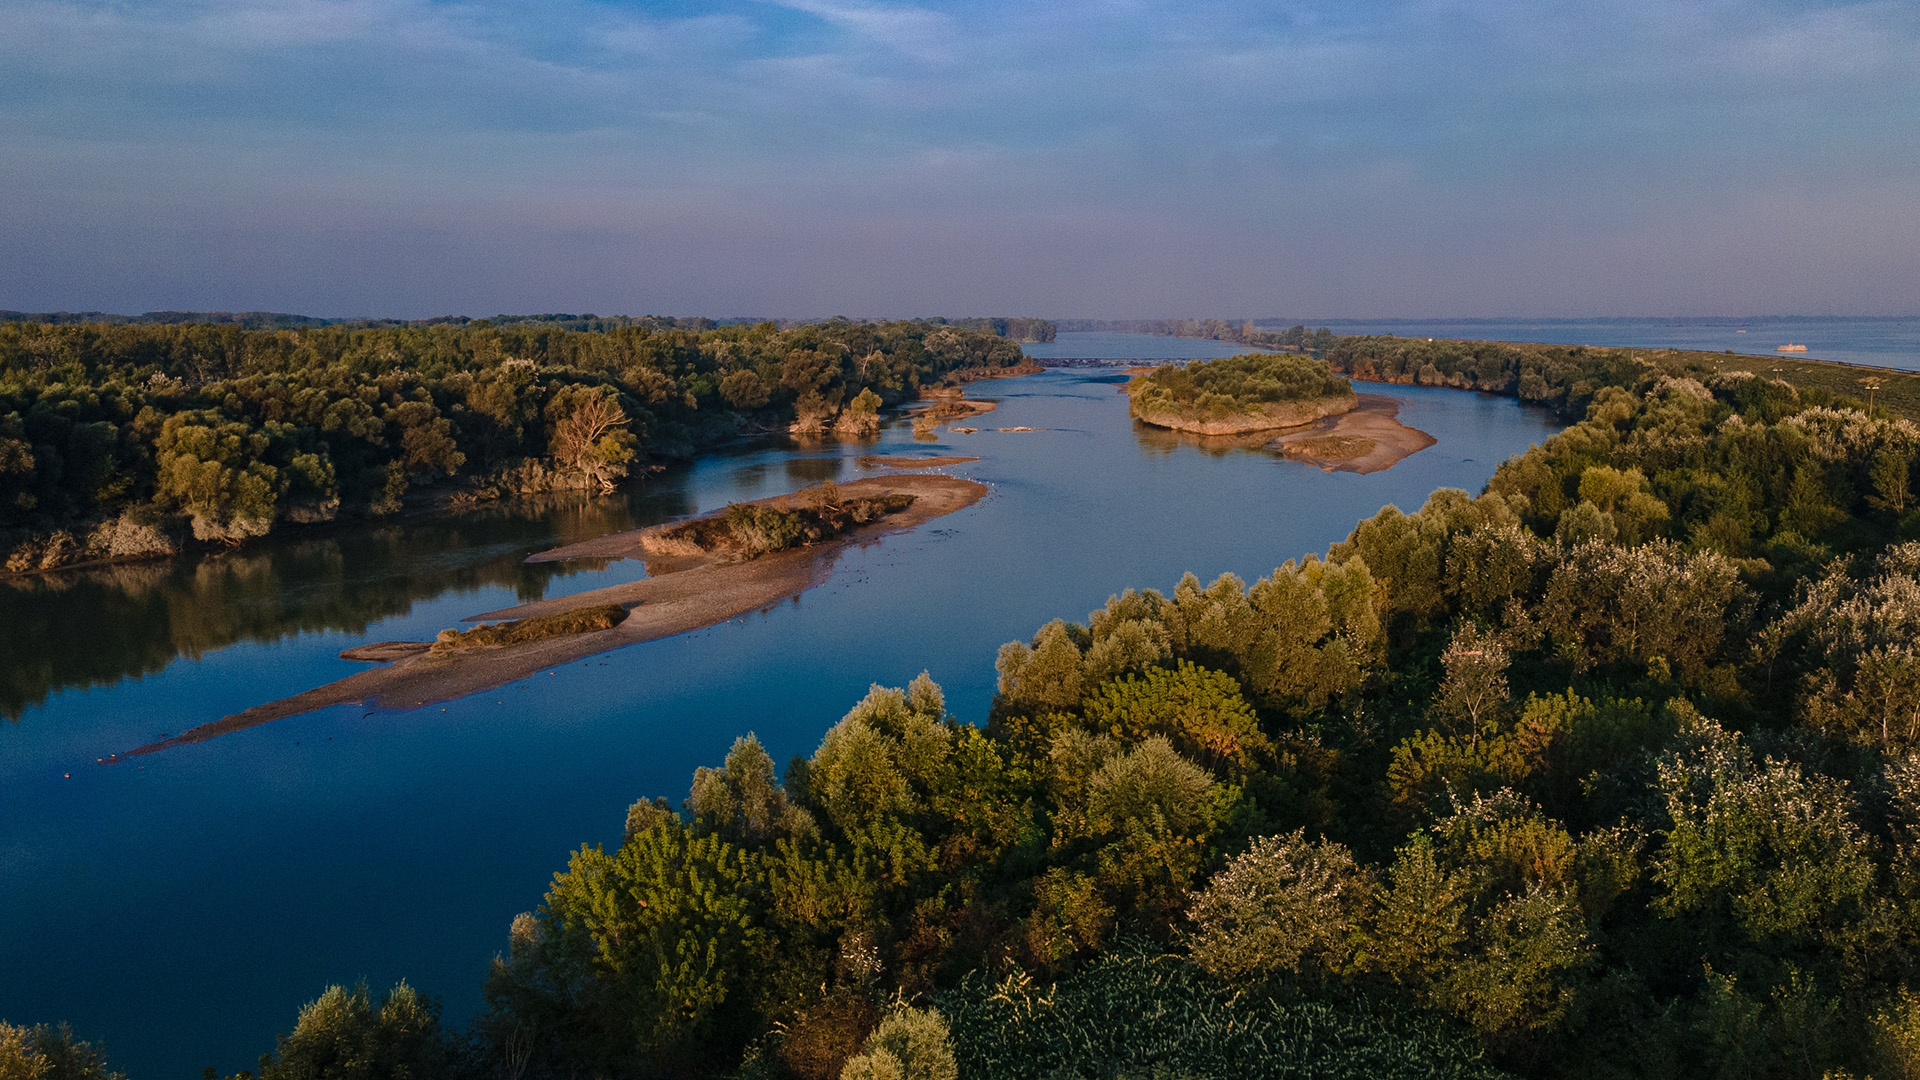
[1609, 770]
[119, 441]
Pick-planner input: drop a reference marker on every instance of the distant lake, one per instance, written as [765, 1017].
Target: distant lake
[1876, 342]
[181, 907]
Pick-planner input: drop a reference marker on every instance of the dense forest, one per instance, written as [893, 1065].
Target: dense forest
[117, 440]
[1607, 771]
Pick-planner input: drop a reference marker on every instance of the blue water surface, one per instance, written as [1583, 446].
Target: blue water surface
[181, 906]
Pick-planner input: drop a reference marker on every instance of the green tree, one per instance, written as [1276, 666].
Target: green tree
[341, 1035]
[1286, 905]
[42, 1052]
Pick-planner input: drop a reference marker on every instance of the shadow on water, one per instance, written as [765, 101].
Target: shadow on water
[95, 627]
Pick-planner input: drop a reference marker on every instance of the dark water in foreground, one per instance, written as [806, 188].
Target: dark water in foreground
[182, 907]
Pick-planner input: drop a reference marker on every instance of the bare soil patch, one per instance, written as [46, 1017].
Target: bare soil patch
[1369, 439]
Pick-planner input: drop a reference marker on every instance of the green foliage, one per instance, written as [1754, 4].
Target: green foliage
[1201, 712]
[1134, 1013]
[1284, 906]
[910, 1044]
[341, 1035]
[584, 620]
[642, 954]
[235, 431]
[750, 530]
[1221, 389]
[42, 1052]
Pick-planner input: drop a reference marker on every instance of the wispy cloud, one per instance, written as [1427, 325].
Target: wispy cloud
[1486, 155]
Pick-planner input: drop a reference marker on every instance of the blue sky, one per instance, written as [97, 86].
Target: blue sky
[1074, 158]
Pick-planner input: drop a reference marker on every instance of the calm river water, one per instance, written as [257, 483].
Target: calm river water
[181, 907]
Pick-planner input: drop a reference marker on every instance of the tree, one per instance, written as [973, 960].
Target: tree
[1473, 696]
[590, 435]
[42, 1052]
[1285, 906]
[741, 801]
[647, 953]
[909, 1044]
[341, 1036]
[1201, 712]
[1892, 477]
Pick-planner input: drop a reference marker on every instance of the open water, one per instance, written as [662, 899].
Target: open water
[182, 906]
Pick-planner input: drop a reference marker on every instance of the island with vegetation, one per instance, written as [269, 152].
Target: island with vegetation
[124, 441]
[1241, 394]
[1609, 770]
[699, 572]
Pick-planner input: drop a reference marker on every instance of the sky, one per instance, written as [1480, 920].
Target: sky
[1062, 158]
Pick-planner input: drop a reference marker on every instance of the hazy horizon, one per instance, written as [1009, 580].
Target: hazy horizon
[412, 158]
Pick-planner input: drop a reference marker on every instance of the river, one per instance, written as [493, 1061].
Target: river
[181, 907]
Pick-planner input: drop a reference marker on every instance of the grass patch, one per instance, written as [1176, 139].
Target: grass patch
[520, 631]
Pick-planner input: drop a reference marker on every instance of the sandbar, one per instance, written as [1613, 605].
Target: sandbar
[891, 461]
[1367, 440]
[682, 594]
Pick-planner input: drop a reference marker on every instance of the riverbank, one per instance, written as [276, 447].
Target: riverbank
[681, 594]
[1369, 439]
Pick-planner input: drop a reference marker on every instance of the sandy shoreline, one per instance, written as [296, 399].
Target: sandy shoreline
[684, 594]
[1367, 440]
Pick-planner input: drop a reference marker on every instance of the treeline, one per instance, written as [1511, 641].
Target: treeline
[110, 433]
[1244, 333]
[1026, 330]
[1566, 377]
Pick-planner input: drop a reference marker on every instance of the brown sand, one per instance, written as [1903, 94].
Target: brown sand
[685, 594]
[952, 409]
[1366, 440]
[889, 461]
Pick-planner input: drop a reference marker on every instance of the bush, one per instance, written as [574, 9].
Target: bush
[49, 1053]
[1135, 1012]
[520, 631]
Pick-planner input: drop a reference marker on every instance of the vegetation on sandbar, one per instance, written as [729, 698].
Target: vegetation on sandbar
[1251, 392]
[750, 530]
[539, 628]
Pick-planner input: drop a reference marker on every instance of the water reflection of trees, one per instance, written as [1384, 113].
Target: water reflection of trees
[1163, 441]
[95, 627]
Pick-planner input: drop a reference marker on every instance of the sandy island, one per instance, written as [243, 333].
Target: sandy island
[683, 593]
[1366, 440]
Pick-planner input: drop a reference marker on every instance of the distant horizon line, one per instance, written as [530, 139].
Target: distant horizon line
[228, 316]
